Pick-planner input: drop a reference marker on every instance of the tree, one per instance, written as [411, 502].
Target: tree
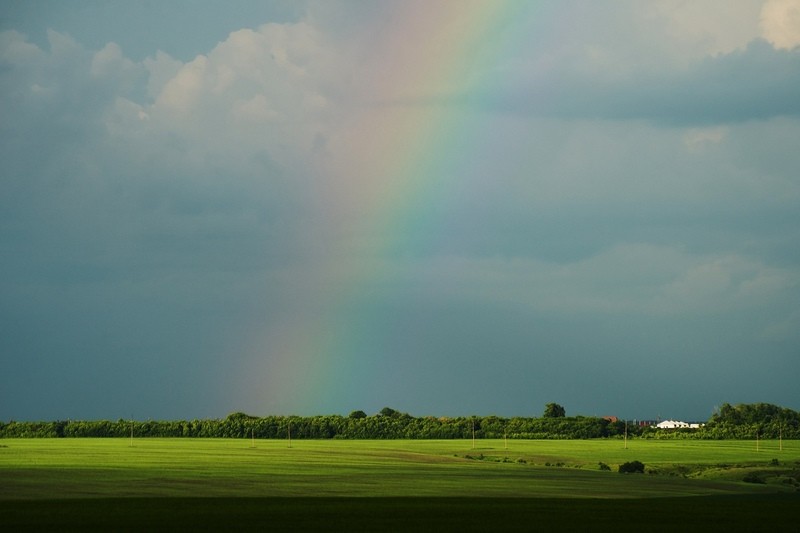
[553, 410]
[358, 414]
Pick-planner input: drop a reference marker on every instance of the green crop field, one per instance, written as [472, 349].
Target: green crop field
[79, 482]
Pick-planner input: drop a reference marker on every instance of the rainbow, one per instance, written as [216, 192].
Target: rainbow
[387, 198]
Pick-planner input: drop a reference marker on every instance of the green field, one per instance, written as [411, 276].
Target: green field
[75, 481]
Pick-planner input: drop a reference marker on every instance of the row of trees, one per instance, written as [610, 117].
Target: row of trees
[395, 426]
[748, 421]
[739, 422]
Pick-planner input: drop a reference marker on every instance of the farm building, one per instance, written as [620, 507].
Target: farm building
[675, 424]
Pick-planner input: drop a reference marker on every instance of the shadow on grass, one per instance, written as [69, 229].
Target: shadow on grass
[714, 513]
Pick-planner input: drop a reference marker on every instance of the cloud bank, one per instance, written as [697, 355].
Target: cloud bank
[190, 237]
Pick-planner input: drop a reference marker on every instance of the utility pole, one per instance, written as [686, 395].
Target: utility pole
[473, 433]
[626, 434]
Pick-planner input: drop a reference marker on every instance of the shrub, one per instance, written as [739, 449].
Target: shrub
[632, 467]
[603, 466]
[752, 477]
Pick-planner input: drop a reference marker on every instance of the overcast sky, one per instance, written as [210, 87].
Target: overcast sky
[448, 208]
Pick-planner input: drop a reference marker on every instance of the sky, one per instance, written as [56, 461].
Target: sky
[445, 207]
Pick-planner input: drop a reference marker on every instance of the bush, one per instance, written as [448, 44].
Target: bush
[752, 477]
[603, 466]
[632, 467]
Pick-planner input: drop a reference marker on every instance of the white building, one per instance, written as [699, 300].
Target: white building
[674, 424]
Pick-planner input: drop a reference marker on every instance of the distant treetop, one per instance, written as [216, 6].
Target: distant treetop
[553, 410]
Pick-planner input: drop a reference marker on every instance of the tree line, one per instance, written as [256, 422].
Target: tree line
[748, 421]
[730, 422]
[398, 426]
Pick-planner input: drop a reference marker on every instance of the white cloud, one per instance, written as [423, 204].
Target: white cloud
[181, 94]
[786, 328]
[16, 50]
[780, 23]
[161, 69]
[62, 45]
[255, 109]
[109, 61]
[259, 90]
[697, 139]
[702, 28]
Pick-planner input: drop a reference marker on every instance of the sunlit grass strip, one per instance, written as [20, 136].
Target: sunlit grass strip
[91, 468]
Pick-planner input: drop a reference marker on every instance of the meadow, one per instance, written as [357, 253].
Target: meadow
[63, 482]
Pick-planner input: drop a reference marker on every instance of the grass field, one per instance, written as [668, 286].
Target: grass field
[177, 482]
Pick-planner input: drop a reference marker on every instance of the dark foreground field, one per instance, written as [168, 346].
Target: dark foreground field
[777, 512]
